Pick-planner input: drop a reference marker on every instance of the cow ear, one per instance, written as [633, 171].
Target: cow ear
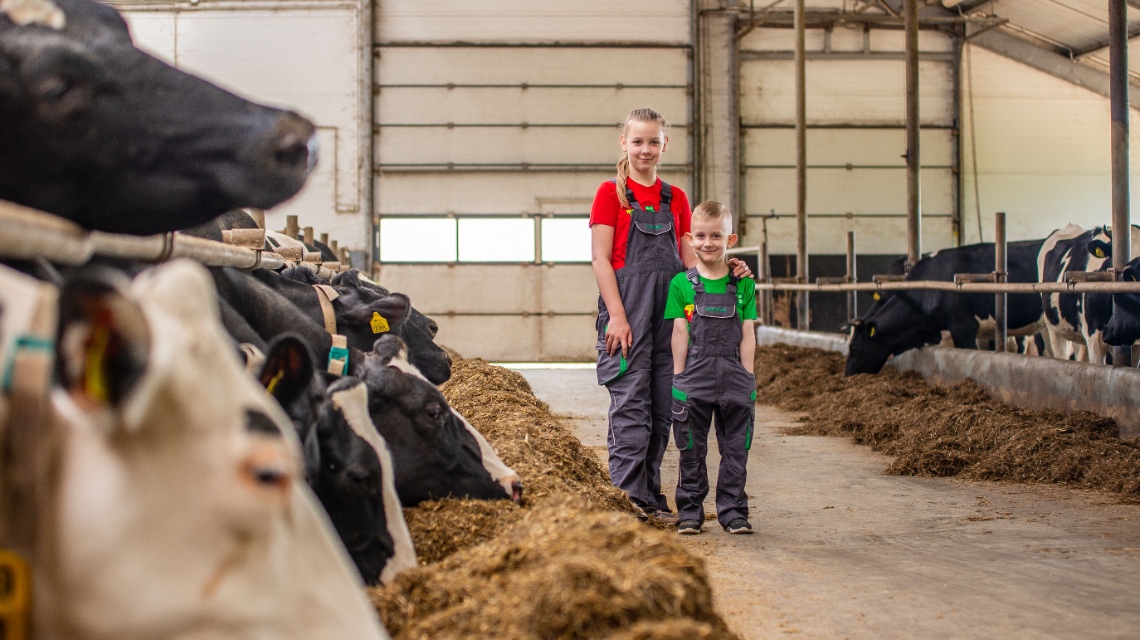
[288, 369]
[1100, 249]
[1131, 274]
[346, 279]
[103, 339]
[383, 315]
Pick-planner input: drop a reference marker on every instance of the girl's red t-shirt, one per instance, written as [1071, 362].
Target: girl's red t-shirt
[608, 211]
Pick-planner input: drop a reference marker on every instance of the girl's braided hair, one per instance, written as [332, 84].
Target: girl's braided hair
[644, 114]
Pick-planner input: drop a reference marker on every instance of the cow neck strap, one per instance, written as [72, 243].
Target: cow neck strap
[338, 354]
[326, 294]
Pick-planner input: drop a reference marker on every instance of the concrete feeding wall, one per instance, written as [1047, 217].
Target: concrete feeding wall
[1023, 381]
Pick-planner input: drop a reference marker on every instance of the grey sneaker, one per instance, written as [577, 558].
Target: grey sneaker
[665, 517]
[689, 527]
[739, 525]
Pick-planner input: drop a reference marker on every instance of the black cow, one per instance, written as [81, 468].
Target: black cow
[436, 456]
[96, 131]
[347, 463]
[418, 333]
[911, 319]
[1075, 322]
[1124, 326]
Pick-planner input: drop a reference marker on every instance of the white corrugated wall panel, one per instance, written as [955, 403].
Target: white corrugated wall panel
[529, 21]
[840, 91]
[306, 59]
[856, 143]
[481, 193]
[536, 65]
[1043, 151]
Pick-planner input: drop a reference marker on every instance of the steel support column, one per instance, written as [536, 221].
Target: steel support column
[804, 319]
[913, 193]
[1118, 81]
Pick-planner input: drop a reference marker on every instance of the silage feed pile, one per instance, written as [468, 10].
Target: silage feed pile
[954, 431]
[572, 562]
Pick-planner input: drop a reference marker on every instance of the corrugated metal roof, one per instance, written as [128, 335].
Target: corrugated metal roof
[1074, 28]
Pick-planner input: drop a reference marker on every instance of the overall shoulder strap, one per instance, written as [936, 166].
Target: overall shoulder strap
[628, 191]
[666, 194]
[694, 277]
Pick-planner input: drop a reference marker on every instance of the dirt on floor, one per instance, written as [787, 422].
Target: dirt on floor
[572, 561]
[954, 431]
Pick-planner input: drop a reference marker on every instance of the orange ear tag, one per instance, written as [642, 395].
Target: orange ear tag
[379, 324]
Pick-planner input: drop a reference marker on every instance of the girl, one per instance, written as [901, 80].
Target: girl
[636, 223]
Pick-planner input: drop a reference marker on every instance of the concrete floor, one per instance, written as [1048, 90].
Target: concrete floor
[844, 551]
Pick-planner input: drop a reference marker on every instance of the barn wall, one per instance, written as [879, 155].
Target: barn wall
[1043, 150]
[856, 137]
[509, 110]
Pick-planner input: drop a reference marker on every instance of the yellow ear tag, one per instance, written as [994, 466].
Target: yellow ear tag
[269, 388]
[94, 376]
[872, 333]
[1099, 252]
[876, 296]
[379, 324]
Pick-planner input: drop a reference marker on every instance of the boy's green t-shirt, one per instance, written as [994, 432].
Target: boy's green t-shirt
[681, 296]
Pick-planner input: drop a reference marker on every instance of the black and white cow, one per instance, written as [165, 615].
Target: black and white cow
[347, 462]
[176, 508]
[908, 320]
[437, 453]
[96, 131]
[1075, 322]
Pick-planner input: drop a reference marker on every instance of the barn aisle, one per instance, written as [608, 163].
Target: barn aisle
[843, 550]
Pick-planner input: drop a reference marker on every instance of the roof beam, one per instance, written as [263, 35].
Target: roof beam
[1133, 32]
[1048, 62]
[1045, 60]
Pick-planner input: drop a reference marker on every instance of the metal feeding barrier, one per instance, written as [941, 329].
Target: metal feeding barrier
[995, 282]
[28, 234]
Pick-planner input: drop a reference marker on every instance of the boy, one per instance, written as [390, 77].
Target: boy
[713, 348]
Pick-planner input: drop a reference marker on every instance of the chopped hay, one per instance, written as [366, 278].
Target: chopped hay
[560, 573]
[572, 562]
[550, 460]
[954, 431]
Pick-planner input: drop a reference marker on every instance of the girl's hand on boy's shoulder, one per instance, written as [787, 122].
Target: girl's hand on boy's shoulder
[739, 268]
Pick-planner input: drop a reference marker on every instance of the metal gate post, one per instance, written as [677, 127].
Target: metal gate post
[1001, 270]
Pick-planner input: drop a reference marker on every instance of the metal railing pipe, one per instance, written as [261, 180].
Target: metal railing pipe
[966, 287]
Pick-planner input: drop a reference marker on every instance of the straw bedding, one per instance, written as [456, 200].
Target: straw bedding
[955, 431]
[571, 562]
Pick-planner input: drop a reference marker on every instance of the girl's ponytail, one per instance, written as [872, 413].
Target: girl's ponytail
[644, 114]
[622, 174]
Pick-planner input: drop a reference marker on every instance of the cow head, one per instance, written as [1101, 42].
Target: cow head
[897, 326]
[435, 455]
[95, 130]
[1123, 327]
[418, 333]
[290, 377]
[179, 511]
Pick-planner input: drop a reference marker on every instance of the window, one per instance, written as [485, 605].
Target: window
[483, 239]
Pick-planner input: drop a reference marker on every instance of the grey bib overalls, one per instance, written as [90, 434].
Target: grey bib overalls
[714, 383]
[639, 384]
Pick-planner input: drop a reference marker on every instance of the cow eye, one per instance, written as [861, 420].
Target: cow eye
[434, 411]
[54, 89]
[271, 476]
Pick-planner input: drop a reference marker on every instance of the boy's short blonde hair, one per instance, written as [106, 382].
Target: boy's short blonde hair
[712, 211]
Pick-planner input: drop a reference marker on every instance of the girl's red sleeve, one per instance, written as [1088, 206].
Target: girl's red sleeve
[605, 207]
